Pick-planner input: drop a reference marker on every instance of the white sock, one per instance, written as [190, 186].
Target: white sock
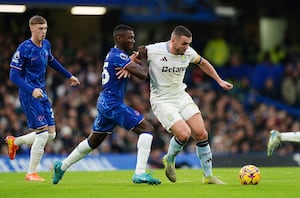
[290, 136]
[51, 136]
[77, 154]
[143, 151]
[37, 151]
[25, 139]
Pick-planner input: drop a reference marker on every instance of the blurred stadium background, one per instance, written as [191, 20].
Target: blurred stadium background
[254, 44]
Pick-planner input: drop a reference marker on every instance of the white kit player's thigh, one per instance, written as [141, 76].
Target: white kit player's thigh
[166, 113]
[187, 106]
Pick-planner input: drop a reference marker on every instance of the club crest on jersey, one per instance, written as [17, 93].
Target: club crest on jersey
[170, 117]
[40, 118]
[123, 56]
[183, 58]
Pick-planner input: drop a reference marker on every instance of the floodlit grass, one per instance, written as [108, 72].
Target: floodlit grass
[275, 182]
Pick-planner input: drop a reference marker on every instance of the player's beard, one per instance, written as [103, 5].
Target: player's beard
[179, 52]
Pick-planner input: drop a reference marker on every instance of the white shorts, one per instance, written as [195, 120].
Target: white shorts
[168, 111]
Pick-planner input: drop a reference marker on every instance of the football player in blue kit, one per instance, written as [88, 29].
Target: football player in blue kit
[28, 70]
[112, 110]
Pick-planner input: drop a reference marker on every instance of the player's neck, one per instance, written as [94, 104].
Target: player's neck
[36, 42]
[170, 48]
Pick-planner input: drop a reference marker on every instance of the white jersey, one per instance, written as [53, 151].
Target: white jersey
[167, 70]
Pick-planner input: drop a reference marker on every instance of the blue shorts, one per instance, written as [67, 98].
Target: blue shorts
[38, 111]
[121, 115]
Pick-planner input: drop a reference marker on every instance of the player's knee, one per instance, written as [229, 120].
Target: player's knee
[95, 139]
[51, 136]
[93, 144]
[202, 135]
[184, 137]
[144, 126]
[149, 128]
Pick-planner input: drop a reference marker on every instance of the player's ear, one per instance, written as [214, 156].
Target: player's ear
[173, 39]
[118, 38]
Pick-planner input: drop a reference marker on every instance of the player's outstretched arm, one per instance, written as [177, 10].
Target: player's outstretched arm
[210, 70]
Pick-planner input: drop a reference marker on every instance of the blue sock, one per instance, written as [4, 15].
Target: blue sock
[174, 148]
[205, 156]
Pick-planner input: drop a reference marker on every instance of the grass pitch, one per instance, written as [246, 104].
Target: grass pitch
[275, 182]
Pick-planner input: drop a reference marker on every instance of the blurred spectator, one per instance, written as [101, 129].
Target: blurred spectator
[266, 77]
[250, 43]
[217, 50]
[288, 85]
[278, 54]
[239, 71]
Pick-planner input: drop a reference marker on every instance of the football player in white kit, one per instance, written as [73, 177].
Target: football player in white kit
[173, 106]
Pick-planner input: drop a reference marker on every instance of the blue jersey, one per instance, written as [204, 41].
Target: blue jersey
[113, 89]
[111, 108]
[32, 61]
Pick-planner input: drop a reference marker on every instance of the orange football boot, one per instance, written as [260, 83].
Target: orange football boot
[12, 148]
[33, 177]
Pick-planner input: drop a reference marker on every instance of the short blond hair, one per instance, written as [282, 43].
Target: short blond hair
[37, 20]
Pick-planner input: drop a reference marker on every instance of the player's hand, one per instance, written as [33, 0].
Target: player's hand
[37, 93]
[134, 57]
[122, 73]
[73, 81]
[226, 85]
[142, 52]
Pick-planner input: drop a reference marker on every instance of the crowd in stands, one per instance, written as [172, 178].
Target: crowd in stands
[236, 124]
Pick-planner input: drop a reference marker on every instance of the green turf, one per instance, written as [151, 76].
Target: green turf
[275, 182]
